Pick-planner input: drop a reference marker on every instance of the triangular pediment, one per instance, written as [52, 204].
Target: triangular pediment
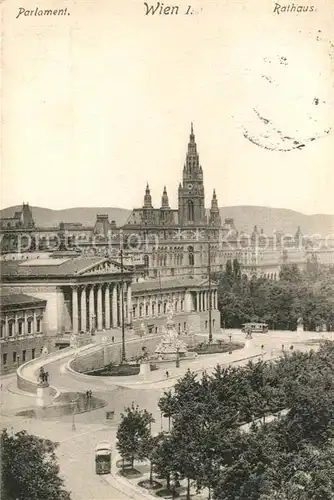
[104, 266]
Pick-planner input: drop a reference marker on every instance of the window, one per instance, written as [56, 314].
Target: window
[23, 356]
[32, 353]
[10, 328]
[4, 359]
[206, 325]
[165, 307]
[153, 309]
[182, 305]
[159, 308]
[20, 327]
[140, 311]
[14, 357]
[176, 305]
[38, 325]
[2, 330]
[146, 309]
[190, 211]
[191, 255]
[213, 323]
[134, 311]
[184, 325]
[29, 325]
[179, 328]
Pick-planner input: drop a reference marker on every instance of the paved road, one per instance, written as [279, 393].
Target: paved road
[76, 448]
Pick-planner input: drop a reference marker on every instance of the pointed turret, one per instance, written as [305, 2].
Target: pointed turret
[147, 198]
[164, 199]
[214, 218]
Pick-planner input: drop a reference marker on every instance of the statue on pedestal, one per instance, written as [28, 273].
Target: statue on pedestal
[300, 324]
[43, 377]
[170, 345]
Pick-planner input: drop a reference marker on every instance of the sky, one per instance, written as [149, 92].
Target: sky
[99, 102]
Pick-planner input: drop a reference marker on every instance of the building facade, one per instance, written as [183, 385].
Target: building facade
[22, 329]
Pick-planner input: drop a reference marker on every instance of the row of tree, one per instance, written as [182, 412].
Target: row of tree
[297, 294]
[219, 438]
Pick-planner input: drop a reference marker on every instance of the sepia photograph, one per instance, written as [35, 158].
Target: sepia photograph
[167, 250]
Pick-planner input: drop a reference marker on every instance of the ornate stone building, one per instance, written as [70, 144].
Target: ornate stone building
[80, 294]
[22, 329]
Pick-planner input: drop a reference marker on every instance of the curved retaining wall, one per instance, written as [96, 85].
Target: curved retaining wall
[27, 374]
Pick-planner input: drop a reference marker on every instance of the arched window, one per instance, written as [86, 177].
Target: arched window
[190, 210]
[191, 255]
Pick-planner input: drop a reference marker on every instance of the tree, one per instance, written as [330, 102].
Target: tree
[163, 458]
[167, 406]
[29, 468]
[133, 430]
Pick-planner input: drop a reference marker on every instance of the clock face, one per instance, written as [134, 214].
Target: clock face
[190, 186]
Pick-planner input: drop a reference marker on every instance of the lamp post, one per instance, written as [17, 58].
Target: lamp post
[210, 301]
[122, 307]
[177, 358]
[74, 403]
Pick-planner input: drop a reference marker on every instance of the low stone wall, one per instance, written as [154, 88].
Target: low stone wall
[111, 353]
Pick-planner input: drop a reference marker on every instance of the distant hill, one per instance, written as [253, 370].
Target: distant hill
[45, 217]
[281, 219]
[245, 217]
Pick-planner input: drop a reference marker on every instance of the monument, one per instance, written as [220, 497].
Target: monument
[43, 389]
[171, 346]
[300, 325]
[145, 367]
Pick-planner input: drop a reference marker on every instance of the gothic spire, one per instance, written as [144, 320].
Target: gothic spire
[148, 197]
[164, 199]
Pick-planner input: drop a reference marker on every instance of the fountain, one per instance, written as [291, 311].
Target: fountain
[171, 347]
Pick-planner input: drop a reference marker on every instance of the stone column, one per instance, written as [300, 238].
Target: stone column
[107, 307]
[91, 308]
[83, 310]
[34, 325]
[25, 328]
[205, 296]
[114, 307]
[187, 302]
[75, 309]
[16, 328]
[6, 328]
[99, 308]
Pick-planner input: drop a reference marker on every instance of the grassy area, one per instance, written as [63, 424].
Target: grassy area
[216, 347]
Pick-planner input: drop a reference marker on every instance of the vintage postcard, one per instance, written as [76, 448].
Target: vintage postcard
[167, 249]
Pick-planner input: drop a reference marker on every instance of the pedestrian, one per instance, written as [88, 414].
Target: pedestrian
[262, 347]
[282, 347]
[90, 394]
[291, 347]
[167, 374]
[112, 339]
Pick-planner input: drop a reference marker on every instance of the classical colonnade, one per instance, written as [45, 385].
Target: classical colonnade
[99, 306]
[154, 303]
[20, 324]
[202, 302]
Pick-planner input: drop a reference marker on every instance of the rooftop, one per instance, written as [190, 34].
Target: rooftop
[18, 299]
[167, 283]
[54, 267]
